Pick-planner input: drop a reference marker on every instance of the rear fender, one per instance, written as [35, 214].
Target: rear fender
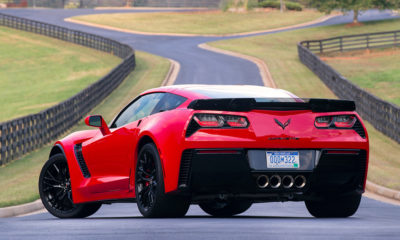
[169, 139]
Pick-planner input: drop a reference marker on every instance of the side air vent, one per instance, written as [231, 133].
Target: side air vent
[184, 172]
[359, 129]
[81, 160]
[192, 128]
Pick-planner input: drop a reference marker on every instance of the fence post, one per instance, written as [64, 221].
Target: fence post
[395, 38]
[321, 49]
[341, 43]
[367, 41]
[2, 145]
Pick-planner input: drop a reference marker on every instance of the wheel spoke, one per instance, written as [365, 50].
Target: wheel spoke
[55, 167]
[52, 177]
[63, 195]
[70, 197]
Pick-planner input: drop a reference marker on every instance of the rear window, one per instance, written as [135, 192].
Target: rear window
[243, 92]
[170, 101]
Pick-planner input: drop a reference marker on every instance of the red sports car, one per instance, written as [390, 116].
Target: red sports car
[221, 147]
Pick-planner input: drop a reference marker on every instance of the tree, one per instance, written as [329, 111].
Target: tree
[353, 5]
[283, 6]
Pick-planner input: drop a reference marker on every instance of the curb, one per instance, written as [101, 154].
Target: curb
[262, 67]
[149, 8]
[382, 191]
[321, 19]
[22, 209]
[172, 74]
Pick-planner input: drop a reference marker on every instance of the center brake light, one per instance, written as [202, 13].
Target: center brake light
[340, 121]
[219, 121]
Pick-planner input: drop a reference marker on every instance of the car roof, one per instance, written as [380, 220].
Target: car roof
[196, 91]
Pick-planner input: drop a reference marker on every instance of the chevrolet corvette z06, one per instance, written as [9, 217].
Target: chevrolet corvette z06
[221, 147]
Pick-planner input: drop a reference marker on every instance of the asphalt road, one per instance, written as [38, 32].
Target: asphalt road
[374, 220]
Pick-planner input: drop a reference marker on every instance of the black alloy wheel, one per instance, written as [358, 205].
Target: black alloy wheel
[55, 191]
[146, 180]
[149, 188]
[334, 207]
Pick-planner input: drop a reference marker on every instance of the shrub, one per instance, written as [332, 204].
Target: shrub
[252, 4]
[294, 6]
[276, 4]
[270, 4]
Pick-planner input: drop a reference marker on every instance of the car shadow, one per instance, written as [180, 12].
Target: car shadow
[209, 217]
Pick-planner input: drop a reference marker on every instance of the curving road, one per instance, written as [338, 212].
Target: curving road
[374, 220]
[197, 65]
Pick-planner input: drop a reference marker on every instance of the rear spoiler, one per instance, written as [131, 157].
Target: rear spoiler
[248, 104]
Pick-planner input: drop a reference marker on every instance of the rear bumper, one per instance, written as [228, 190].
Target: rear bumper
[207, 173]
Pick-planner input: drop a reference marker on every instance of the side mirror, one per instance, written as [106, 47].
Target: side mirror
[98, 121]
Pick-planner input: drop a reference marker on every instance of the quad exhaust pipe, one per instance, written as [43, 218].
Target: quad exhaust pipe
[262, 181]
[275, 181]
[300, 181]
[287, 181]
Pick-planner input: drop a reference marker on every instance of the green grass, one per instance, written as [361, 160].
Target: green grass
[18, 180]
[211, 22]
[279, 52]
[377, 71]
[37, 72]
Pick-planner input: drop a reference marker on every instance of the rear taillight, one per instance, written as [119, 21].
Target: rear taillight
[209, 120]
[236, 121]
[344, 121]
[219, 121]
[340, 121]
[323, 122]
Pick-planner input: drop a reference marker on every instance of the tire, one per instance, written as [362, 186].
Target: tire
[55, 191]
[334, 208]
[151, 199]
[226, 208]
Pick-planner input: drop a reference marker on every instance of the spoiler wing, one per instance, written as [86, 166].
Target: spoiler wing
[248, 104]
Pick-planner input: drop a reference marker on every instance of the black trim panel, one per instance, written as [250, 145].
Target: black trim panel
[81, 160]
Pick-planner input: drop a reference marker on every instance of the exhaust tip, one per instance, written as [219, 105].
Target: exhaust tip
[287, 181]
[262, 181]
[275, 181]
[300, 181]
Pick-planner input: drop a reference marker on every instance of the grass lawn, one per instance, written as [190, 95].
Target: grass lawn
[279, 52]
[19, 179]
[210, 22]
[377, 71]
[37, 72]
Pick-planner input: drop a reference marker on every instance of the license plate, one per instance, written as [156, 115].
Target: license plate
[283, 159]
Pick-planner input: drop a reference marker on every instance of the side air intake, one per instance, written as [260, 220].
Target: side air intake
[81, 160]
